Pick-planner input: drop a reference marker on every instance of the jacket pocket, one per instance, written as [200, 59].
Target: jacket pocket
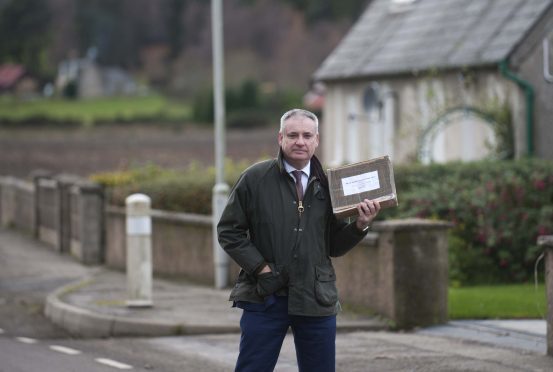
[325, 285]
[269, 283]
[244, 288]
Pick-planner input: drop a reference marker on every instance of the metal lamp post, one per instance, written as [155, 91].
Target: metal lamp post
[221, 189]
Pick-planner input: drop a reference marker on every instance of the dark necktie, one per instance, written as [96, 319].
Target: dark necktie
[299, 186]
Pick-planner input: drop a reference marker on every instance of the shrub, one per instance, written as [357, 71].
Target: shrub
[202, 107]
[181, 191]
[249, 118]
[497, 210]
[246, 105]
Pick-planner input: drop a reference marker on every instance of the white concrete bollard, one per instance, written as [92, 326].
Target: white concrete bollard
[139, 251]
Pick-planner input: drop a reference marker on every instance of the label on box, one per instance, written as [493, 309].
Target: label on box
[360, 183]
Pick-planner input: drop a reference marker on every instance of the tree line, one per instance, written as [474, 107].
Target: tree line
[41, 33]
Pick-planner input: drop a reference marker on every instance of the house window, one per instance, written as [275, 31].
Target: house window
[376, 106]
[548, 58]
[372, 103]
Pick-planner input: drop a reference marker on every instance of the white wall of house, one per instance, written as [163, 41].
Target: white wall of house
[353, 130]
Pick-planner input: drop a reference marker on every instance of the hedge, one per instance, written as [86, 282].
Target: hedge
[180, 191]
[497, 208]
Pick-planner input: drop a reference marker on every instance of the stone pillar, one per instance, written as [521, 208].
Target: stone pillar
[7, 194]
[24, 214]
[65, 183]
[47, 213]
[2, 181]
[139, 251]
[86, 221]
[413, 272]
[36, 176]
[546, 242]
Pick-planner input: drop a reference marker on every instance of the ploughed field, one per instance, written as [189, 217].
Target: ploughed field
[84, 151]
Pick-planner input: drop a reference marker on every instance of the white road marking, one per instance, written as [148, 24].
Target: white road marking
[1, 331]
[65, 350]
[113, 363]
[26, 340]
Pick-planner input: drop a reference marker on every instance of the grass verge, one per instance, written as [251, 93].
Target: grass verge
[498, 302]
[92, 111]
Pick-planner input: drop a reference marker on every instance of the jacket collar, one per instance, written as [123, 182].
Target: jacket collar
[282, 168]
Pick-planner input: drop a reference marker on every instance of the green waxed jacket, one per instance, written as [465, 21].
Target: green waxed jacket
[261, 224]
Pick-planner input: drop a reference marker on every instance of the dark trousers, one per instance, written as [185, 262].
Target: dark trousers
[263, 333]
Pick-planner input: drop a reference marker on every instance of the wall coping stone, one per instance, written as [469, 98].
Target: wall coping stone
[89, 187]
[371, 239]
[5, 179]
[16, 182]
[22, 184]
[48, 183]
[189, 218]
[40, 173]
[545, 241]
[67, 178]
[410, 224]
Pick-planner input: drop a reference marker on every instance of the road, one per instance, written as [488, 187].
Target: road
[30, 343]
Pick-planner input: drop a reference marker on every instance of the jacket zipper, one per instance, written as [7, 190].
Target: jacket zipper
[301, 208]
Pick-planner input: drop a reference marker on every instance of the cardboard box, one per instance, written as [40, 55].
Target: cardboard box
[371, 179]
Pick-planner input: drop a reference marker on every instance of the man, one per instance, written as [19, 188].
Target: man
[279, 227]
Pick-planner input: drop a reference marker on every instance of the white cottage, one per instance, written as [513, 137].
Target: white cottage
[441, 80]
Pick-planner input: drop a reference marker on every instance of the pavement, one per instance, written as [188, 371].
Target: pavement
[93, 305]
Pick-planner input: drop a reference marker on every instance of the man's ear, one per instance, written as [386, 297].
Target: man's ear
[280, 138]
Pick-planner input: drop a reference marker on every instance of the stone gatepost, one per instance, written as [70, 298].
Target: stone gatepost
[47, 215]
[413, 272]
[86, 222]
[65, 182]
[36, 176]
[7, 202]
[546, 241]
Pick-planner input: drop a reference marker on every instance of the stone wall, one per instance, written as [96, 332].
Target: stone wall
[17, 205]
[67, 216]
[398, 271]
[181, 244]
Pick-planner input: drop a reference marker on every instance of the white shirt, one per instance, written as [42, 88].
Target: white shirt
[305, 172]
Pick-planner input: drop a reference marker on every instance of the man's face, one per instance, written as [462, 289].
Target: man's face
[298, 140]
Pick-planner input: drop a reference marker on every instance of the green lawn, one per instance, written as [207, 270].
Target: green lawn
[143, 108]
[498, 302]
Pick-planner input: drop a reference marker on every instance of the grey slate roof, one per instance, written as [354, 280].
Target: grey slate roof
[390, 39]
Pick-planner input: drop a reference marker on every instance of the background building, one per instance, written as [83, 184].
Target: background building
[436, 81]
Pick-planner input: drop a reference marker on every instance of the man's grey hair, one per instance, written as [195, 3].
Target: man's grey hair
[299, 112]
